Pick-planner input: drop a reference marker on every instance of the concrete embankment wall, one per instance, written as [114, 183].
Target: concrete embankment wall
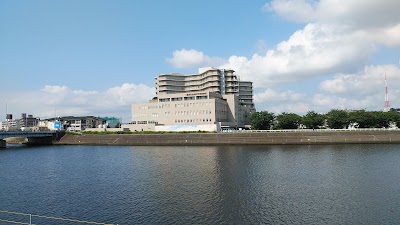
[253, 138]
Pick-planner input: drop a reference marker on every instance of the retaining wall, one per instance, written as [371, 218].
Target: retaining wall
[252, 138]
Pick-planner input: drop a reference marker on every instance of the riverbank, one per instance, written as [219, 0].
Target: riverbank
[248, 138]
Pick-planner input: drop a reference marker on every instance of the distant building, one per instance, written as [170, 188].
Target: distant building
[18, 124]
[111, 122]
[209, 100]
[73, 123]
[10, 125]
[28, 121]
[395, 109]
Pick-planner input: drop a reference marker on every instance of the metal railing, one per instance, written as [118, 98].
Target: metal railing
[29, 217]
[7, 134]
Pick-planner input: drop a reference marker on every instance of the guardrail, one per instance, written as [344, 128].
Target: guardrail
[7, 134]
[30, 217]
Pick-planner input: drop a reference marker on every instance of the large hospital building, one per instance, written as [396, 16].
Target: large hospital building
[211, 100]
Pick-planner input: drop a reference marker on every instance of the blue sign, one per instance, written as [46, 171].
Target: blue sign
[57, 125]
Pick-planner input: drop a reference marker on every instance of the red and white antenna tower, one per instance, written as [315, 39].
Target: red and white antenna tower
[387, 104]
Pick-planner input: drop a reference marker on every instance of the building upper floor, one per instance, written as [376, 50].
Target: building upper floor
[223, 81]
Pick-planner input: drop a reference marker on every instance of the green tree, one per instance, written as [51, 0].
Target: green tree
[313, 120]
[365, 119]
[261, 120]
[384, 119]
[394, 117]
[337, 119]
[288, 121]
[361, 119]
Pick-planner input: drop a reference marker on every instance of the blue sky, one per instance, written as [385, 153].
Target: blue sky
[99, 57]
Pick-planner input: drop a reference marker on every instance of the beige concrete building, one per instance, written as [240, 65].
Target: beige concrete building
[209, 100]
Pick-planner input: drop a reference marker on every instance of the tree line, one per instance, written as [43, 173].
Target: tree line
[334, 119]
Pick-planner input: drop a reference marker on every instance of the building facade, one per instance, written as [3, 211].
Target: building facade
[28, 121]
[209, 100]
[72, 123]
[24, 123]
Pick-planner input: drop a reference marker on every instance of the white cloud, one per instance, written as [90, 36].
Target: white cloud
[192, 58]
[281, 101]
[323, 103]
[270, 95]
[367, 82]
[338, 40]
[361, 90]
[299, 108]
[341, 37]
[390, 36]
[356, 13]
[63, 101]
[296, 10]
[129, 93]
[316, 50]
[55, 89]
[84, 93]
[318, 102]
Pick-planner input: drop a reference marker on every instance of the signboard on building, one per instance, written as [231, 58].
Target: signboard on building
[57, 125]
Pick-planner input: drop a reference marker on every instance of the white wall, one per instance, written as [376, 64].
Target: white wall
[178, 128]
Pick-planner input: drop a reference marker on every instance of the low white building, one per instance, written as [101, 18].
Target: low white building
[10, 125]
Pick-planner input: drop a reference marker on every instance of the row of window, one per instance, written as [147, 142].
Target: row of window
[145, 115]
[193, 104]
[161, 106]
[177, 113]
[186, 83]
[186, 98]
[193, 121]
[187, 78]
[143, 122]
[177, 105]
[193, 112]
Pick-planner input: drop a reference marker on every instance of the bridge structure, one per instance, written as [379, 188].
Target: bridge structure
[34, 137]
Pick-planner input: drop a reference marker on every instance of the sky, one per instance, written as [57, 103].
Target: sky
[97, 57]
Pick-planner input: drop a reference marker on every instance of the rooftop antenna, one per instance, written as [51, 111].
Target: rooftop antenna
[387, 104]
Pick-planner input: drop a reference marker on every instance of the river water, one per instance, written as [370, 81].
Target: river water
[318, 184]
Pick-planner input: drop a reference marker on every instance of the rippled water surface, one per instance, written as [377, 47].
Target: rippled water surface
[332, 184]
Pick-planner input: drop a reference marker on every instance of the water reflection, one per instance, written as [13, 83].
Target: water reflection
[332, 184]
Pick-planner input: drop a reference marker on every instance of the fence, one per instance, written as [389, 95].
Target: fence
[28, 218]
